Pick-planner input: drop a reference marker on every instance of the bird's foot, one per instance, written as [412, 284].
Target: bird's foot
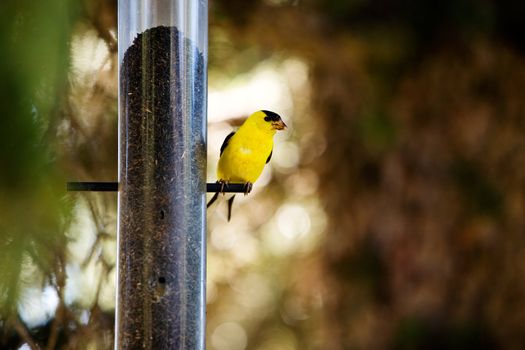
[247, 188]
[224, 184]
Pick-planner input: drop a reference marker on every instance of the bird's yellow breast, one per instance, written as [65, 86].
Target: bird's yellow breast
[244, 157]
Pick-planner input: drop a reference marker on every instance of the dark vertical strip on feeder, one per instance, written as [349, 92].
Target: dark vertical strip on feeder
[161, 252]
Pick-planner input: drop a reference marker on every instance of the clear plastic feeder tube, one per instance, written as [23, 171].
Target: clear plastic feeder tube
[162, 164]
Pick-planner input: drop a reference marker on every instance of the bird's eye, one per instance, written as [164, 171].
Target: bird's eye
[271, 116]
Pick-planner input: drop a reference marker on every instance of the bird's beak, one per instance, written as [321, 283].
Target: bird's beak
[279, 125]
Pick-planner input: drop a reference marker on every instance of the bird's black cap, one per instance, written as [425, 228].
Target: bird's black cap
[271, 116]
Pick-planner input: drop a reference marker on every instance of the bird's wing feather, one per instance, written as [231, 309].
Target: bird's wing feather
[225, 142]
[269, 157]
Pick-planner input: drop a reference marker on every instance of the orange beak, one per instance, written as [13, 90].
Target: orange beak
[279, 125]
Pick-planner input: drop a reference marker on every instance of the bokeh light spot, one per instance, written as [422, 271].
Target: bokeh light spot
[229, 336]
[293, 221]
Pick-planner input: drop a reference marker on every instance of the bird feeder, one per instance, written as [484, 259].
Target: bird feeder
[162, 163]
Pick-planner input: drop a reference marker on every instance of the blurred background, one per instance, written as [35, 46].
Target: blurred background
[392, 214]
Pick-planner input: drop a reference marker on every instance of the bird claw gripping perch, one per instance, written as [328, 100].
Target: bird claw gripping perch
[247, 188]
[224, 185]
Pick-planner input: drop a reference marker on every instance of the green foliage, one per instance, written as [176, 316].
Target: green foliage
[34, 37]
[414, 333]
[480, 195]
[377, 132]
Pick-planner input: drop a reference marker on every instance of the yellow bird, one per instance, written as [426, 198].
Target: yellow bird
[245, 152]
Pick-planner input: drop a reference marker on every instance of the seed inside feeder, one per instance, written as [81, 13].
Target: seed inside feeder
[162, 94]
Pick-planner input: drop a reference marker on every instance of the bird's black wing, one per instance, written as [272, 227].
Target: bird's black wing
[225, 142]
[270, 156]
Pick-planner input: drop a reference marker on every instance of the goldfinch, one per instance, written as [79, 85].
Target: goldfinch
[245, 152]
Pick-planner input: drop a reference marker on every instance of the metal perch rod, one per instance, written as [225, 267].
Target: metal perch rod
[114, 187]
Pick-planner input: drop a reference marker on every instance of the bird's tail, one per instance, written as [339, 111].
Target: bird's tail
[213, 199]
[230, 203]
